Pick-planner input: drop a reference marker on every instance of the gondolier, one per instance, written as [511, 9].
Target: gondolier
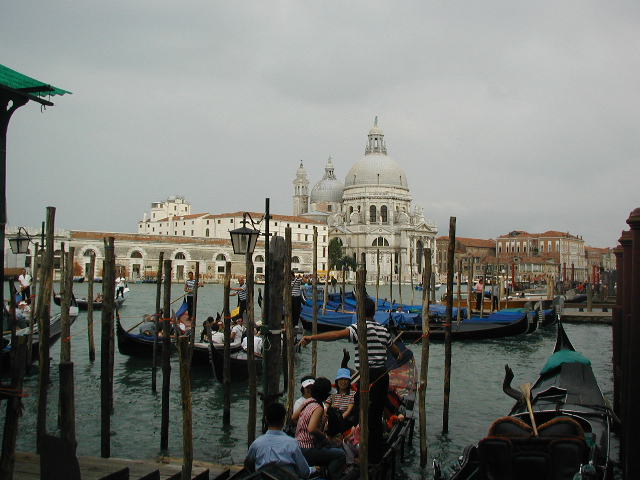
[378, 343]
[296, 297]
[189, 285]
[25, 285]
[241, 292]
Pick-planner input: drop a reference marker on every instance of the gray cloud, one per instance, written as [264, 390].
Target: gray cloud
[505, 115]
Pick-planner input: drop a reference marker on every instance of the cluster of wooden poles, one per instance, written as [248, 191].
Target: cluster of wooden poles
[626, 338]
[278, 356]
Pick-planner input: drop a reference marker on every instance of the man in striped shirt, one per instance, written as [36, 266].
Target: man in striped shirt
[378, 342]
[296, 297]
[241, 292]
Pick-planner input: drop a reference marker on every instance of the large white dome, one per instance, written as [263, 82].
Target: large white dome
[329, 189]
[376, 167]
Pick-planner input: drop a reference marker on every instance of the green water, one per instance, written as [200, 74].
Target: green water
[476, 394]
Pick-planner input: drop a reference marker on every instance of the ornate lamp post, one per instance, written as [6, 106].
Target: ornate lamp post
[20, 243]
[244, 239]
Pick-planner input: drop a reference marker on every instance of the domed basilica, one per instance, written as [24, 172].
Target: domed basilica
[371, 211]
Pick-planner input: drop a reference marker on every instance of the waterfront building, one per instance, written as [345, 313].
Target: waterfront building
[371, 213]
[471, 251]
[538, 254]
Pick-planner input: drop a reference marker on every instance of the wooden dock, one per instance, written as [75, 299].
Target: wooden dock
[94, 468]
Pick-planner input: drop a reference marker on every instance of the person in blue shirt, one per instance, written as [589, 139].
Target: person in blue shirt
[276, 447]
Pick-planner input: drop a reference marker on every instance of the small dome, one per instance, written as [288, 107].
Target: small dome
[329, 189]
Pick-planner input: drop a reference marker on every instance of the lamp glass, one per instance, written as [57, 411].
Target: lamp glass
[19, 244]
[244, 240]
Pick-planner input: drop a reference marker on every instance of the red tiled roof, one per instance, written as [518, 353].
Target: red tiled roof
[180, 217]
[257, 215]
[547, 234]
[472, 242]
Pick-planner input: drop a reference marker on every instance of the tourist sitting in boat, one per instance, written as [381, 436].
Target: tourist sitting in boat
[316, 446]
[257, 343]
[148, 326]
[276, 448]
[343, 398]
[305, 390]
[99, 298]
[237, 331]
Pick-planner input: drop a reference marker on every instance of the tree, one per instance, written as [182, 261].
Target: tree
[335, 252]
[347, 262]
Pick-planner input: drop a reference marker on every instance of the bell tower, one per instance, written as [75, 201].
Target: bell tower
[301, 191]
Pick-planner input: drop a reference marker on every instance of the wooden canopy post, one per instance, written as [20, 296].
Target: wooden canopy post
[314, 294]
[226, 366]
[44, 313]
[447, 331]
[90, 335]
[290, 378]
[424, 359]
[166, 361]
[364, 386]
[106, 341]
[154, 361]
[14, 409]
[251, 361]
[273, 355]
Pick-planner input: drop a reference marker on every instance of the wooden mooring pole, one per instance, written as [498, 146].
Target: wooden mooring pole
[413, 297]
[166, 353]
[365, 383]
[67, 404]
[36, 265]
[273, 355]
[65, 347]
[400, 275]
[447, 331]
[377, 277]
[424, 359]
[106, 340]
[194, 308]
[314, 294]
[226, 374]
[251, 361]
[185, 350]
[90, 335]
[459, 293]
[154, 361]
[44, 312]
[290, 378]
[392, 254]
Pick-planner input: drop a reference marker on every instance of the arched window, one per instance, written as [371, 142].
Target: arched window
[295, 259]
[179, 256]
[380, 242]
[383, 214]
[136, 254]
[259, 258]
[372, 213]
[363, 258]
[89, 252]
[350, 210]
[206, 233]
[221, 257]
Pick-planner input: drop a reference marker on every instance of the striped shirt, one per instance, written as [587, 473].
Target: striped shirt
[295, 287]
[242, 293]
[341, 401]
[189, 286]
[305, 439]
[378, 342]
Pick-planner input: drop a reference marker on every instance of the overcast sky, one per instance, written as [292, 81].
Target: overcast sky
[507, 115]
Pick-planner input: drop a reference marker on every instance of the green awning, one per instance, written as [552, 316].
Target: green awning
[17, 81]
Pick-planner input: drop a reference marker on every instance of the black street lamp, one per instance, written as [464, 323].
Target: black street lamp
[244, 239]
[20, 243]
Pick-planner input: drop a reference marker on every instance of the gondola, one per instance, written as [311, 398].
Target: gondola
[55, 330]
[331, 320]
[238, 367]
[572, 419]
[139, 345]
[83, 303]
[402, 398]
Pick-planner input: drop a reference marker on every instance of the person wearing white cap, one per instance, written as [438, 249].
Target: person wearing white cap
[305, 389]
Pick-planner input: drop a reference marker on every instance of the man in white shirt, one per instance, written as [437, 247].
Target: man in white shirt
[25, 284]
[120, 284]
[257, 344]
[237, 331]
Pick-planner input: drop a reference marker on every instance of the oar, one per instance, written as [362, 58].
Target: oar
[526, 391]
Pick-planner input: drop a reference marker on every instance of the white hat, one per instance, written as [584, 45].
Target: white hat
[308, 382]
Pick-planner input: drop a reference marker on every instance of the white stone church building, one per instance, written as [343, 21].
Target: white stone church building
[371, 211]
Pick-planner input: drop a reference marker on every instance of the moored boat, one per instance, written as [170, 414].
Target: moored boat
[559, 430]
[83, 302]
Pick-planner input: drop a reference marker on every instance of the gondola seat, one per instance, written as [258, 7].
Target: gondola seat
[511, 451]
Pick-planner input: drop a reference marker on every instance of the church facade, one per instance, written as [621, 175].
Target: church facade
[371, 213]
